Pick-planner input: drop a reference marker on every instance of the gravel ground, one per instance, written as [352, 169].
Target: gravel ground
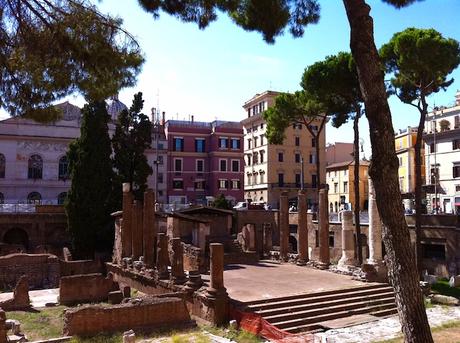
[384, 329]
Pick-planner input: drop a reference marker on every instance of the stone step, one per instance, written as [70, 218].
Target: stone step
[385, 313]
[320, 302]
[305, 324]
[312, 314]
[299, 299]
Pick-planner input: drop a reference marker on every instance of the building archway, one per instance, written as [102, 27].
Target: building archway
[16, 236]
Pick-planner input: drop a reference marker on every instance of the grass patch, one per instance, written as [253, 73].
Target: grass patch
[40, 324]
[442, 287]
[101, 338]
[448, 325]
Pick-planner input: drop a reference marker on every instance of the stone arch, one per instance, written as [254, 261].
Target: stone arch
[34, 198]
[293, 243]
[17, 236]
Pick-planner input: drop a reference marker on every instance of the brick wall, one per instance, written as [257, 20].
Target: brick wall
[145, 314]
[42, 270]
[85, 288]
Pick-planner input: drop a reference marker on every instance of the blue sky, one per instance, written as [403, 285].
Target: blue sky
[210, 73]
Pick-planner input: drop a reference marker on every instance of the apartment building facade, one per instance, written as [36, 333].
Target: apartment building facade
[442, 158]
[205, 159]
[271, 169]
[341, 183]
[405, 141]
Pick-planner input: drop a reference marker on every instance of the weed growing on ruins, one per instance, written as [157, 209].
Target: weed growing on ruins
[442, 287]
[40, 324]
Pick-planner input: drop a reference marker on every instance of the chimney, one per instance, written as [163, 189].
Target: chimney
[193, 118]
[163, 118]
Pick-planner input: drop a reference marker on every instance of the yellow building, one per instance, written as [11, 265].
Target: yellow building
[269, 168]
[340, 180]
[405, 150]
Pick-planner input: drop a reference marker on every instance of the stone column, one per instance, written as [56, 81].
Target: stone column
[162, 260]
[176, 256]
[149, 228]
[216, 285]
[137, 230]
[126, 229]
[284, 226]
[302, 229]
[323, 227]
[252, 237]
[348, 244]
[268, 241]
[375, 229]
[173, 227]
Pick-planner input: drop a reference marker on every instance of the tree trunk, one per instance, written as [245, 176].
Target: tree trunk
[384, 172]
[357, 207]
[418, 184]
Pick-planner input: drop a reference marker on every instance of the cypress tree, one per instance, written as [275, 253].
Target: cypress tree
[131, 138]
[88, 203]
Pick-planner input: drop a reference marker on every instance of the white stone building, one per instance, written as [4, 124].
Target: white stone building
[442, 158]
[33, 163]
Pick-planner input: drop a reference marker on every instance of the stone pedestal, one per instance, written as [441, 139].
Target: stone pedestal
[284, 226]
[162, 257]
[176, 257]
[302, 229]
[126, 231]
[375, 229]
[348, 244]
[137, 243]
[149, 228]
[323, 226]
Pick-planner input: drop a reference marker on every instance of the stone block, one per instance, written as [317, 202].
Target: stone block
[445, 300]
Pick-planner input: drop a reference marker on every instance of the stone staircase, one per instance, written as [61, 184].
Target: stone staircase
[310, 312]
[236, 255]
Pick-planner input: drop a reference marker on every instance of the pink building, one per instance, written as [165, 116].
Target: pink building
[204, 161]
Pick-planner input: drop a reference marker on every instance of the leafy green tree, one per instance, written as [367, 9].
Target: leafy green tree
[52, 48]
[88, 201]
[334, 82]
[131, 138]
[222, 203]
[270, 17]
[297, 108]
[419, 61]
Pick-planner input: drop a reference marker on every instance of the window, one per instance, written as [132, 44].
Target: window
[345, 187]
[336, 187]
[160, 178]
[345, 172]
[2, 198]
[313, 180]
[235, 166]
[262, 137]
[255, 158]
[297, 180]
[63, 168]
[280, 157]
[456, 122]
[249, 144]
[223, 143]
[313, 143]
[457, 188]
[456, 170]
[297, 158]
[255, 142]
[34, 198]
[61, 198]
[456, 144]
[199, 185]
[314, 127]
[434, 175]
[200, 166]
[2, 166]
[223, 165]
[312, 159]
[262, 177]
[223, 184]
[331, 239]
[35, 167]
[235, 143]
[261, 126]
[200, 145]
[160, 159]
[177, 164]
[280, 179]
[178, 184]
[297, 141]
[432, 148]
[236, 184]
[261, 154]
[178, 144]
